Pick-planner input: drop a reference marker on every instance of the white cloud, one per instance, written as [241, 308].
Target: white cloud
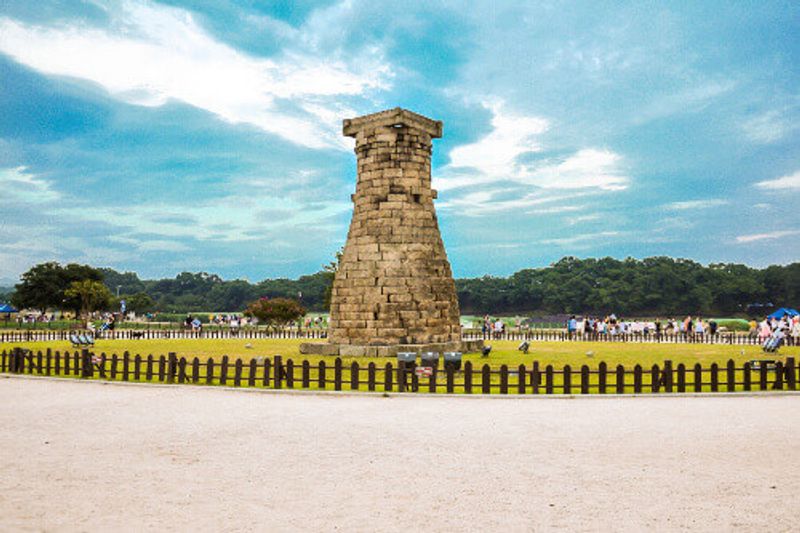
[770, 126]
[497, 158]
[497, 152]
[692, 99]
[583, 218]
[766, 236]
[151, 54]
[789, 182]
[584, 238]
[695, 204]
[19, 185]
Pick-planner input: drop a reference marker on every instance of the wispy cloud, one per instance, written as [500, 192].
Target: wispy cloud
[789, 182]
[20, 185]
[769, 126]
[584, 238]
[499, 157]
[151, 54]
[689, 205]
[766, 236]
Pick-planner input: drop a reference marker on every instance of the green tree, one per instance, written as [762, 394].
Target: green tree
[40, 288]
[92, 294]
[44, 285]
[139, 303]
[276, 311]
[127, 282]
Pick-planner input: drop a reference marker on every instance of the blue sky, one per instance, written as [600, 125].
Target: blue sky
[169, 136]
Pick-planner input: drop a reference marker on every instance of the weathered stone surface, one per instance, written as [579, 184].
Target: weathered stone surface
[406, 264]
[394, 285]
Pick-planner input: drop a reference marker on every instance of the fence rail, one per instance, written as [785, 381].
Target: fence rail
[738, 339]
[277, 373]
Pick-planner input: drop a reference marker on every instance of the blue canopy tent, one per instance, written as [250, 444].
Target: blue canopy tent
[5, 308]
[783, 311]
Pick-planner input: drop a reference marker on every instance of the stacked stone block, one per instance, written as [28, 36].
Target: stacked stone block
[394, 285]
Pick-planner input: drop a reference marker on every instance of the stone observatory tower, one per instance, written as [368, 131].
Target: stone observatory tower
[394, 289]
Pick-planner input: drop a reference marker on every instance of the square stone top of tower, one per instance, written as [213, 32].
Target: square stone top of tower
[392, 117]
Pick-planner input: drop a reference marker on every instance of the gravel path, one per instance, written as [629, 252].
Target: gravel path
[89, 456]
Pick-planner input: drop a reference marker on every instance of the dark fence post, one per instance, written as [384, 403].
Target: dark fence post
[223, 371]
[637, 379]
[289, 373]
[181, 368]
[237, 373]
[195, 370]
[762, 375]
[522, 378]
[791, 376]
[681, 377]
[149, 368]
[401, 376]
[388, 372]
[714, 377]
[548, 379]
[698, 378]
[172, 367]
[321, 380]
[655, 378]
[252, 370]
[277, 372]
[602, 377]
[162, 368]
[486, 379]
[620, 380]
[137, 363]
[503, 379]
[584, 379]
[747, 377]
[450, 376]
[354, 375]
[468, 377]
[567, 385]
[210, 371]
[668, 379]
[126, 366]
[337, 374]
[306, 374]
[371, 376]
[778, 384]
[87, 368]
[731, 375]
[114, 362]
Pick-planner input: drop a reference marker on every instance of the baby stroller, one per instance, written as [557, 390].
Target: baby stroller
[774, 341]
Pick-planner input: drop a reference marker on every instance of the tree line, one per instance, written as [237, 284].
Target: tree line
[647, 287]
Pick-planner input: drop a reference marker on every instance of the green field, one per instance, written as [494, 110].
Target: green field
[574, 353]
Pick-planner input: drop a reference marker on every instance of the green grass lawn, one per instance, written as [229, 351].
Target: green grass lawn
[558, 354]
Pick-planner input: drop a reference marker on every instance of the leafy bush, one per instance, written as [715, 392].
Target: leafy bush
[276, 311]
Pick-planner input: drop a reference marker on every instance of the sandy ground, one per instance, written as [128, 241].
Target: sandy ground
[89, 456]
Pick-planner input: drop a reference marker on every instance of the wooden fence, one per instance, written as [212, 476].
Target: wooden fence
[552, 336]
[277, 373]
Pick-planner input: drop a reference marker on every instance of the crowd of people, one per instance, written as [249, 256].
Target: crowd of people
[611, 325]
[772, 331]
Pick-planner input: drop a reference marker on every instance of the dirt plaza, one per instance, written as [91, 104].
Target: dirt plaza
[94, 456]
